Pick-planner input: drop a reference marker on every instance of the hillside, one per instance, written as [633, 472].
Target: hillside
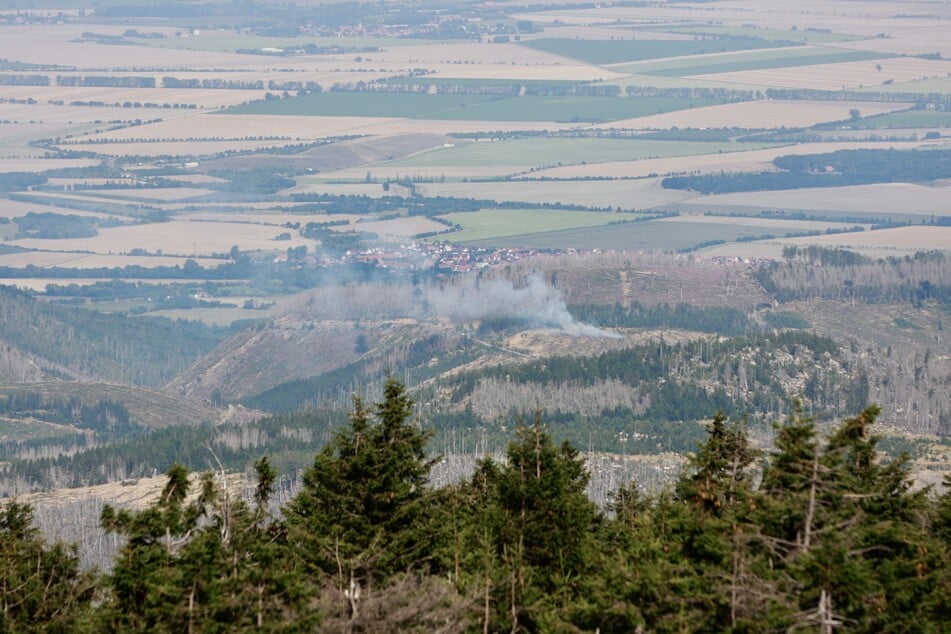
[333, 341]
[45, 340]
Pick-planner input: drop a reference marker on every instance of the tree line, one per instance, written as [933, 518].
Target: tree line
[818, 533]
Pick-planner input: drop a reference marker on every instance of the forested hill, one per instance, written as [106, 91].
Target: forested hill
[819, 530]
[72, 342]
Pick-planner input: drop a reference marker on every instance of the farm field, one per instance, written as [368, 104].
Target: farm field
[27, 164]
[472, 107]
[839, 76]
[770, 225]
[908, 119]
[501, 223]
[175, 149]
[693, 62]
[759, 114]
[631, 236]
[78, 260]
[762, 62]
[156, 194]
[738, 161]
[536, 152]
[182, 238]
[614, 51]
[885, 242]
[627, 194]
[231, 126]
[889, 199]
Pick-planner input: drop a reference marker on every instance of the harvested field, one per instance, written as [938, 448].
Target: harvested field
[177, 237]
[886, 241]
[913, 39]
[626, 194]
[14, 208]
[41, 164]
[888, 199]
[73, 260]
[50, 44]
[841, 76]
[758, 114]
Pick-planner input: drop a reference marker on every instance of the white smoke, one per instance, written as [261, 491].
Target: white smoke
[536, 303]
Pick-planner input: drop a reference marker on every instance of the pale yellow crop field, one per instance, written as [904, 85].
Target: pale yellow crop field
[738, 161]
[885, 241]
[181, 238]
[765, 113]
[51, 45]
[48, 259]
[41, 164]
[916, 38]
[885, 198]
[15, 208]
[397, 228]
[845, 75]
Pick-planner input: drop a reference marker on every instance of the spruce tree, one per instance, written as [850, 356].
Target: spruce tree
[358, 519]
[41, 586]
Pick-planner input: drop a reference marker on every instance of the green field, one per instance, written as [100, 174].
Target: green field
[493, 224]
[616, 51]
[543, 151]
[663, 236]
[906, 119]
[762, 63]
[471, 107]
[684, 67]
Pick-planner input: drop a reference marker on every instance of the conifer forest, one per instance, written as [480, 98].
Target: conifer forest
[815, 534]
